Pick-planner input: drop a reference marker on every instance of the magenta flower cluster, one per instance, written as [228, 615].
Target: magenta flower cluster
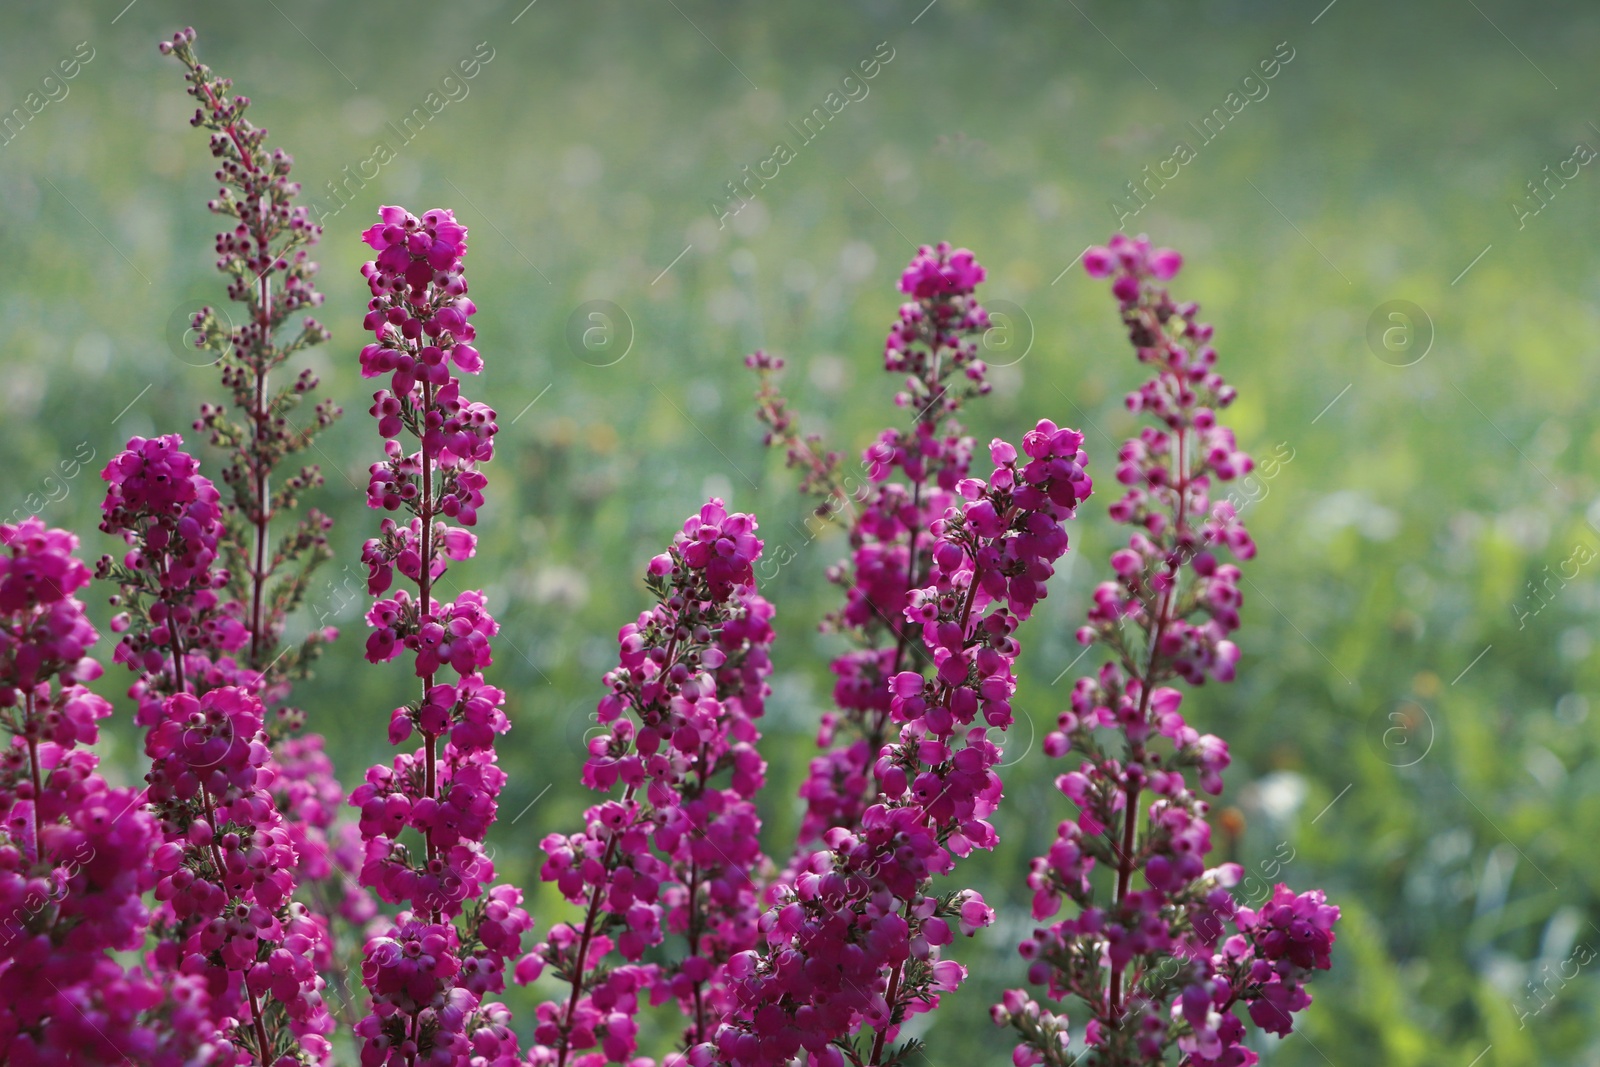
[176, 626]
[46, 635]
[1155, 967]
[424, 818]
[74, 851]
[676, 854]
[229, 877]
[226, 865]
[854, 934]
[419, 315]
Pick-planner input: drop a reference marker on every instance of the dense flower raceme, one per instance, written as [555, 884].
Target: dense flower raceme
[853, 938]
[227, 861]
[264, 256]
[428, 970]
[74, 852]
[228, 874]
[676, 853]
[909, 479]
[1156, 967]
[177, 627]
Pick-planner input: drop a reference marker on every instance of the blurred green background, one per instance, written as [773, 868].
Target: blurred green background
[1412, 723]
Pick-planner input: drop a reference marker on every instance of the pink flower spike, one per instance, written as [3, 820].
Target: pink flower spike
[1173, 600]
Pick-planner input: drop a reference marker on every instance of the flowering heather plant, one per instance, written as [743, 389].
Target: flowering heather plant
[178, 633]
[264, 255]
[226, 864]
[1156, 966]
[853, 937]
[945, 567]
[677, 852]
[228, 874]
[73, 850]
[428, 970]
[193, 921]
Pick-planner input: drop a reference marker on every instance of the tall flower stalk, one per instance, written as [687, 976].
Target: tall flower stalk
[676, 852]
[428, 972]
[852, 939]
[270, 558]
[226, 863]
[1153, 961]
[270, 276]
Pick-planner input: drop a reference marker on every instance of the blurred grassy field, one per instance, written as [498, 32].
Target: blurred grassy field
[1411, 722]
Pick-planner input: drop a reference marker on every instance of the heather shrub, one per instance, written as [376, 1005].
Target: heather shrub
[240, 908]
